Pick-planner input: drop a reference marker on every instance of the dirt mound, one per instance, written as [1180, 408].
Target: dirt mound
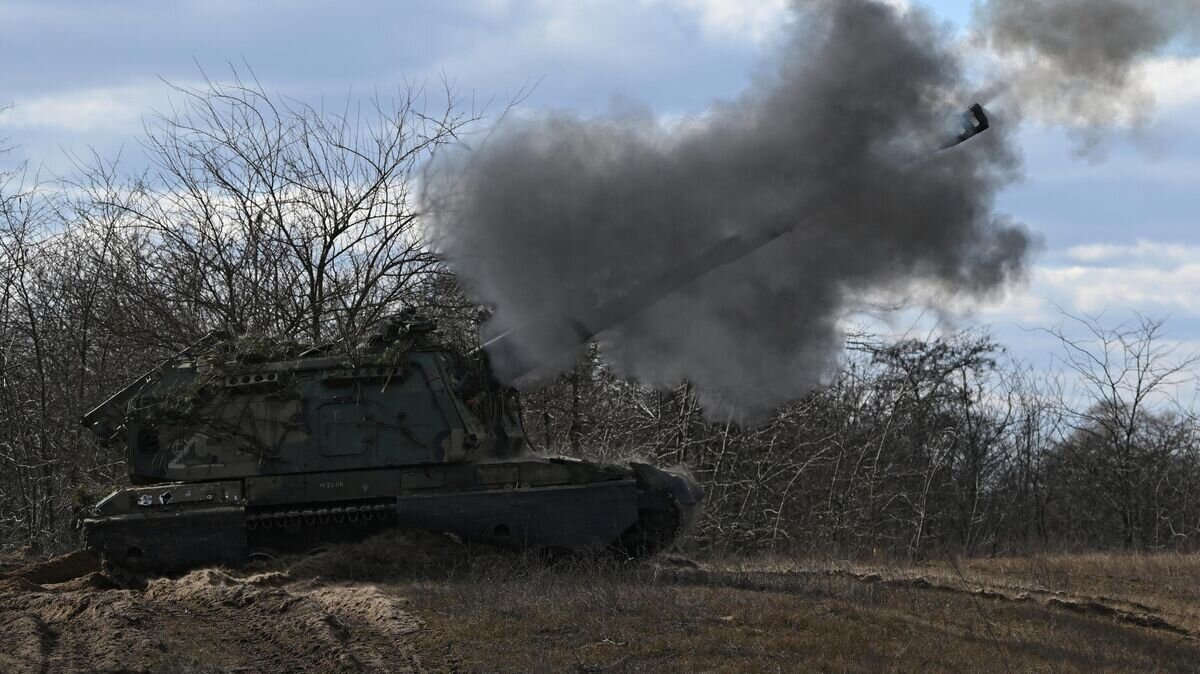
[19, 584]
[208, 620]
[319, 613]
[55, 570]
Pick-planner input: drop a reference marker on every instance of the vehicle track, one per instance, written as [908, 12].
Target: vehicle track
[800, 582]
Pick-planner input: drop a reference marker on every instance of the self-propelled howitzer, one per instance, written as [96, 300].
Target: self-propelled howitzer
[239, 448]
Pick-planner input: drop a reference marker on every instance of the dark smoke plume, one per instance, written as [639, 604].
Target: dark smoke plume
[556, 213]
[1076, 61]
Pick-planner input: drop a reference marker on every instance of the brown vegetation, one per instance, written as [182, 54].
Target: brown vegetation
[412, 602]
[760, 616]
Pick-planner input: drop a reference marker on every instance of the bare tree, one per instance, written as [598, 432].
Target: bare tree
[27, 448]
[265, 214]
[1122, 389]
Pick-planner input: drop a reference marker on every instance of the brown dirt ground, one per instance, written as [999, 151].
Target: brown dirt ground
[404, 602]
[210, 620]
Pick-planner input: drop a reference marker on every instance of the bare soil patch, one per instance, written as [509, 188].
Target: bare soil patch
[210, 620]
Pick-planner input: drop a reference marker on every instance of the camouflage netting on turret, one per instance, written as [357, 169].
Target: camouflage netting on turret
[224, 388]
[236, 352]
[210, 397]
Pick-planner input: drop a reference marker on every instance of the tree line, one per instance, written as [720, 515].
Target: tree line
[925, 447]
[269, 217]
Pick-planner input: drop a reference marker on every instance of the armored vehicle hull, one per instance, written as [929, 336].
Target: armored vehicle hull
[532, 503]
[240, 449]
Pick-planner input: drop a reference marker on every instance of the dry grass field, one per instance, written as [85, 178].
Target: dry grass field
[413, 603]
[1090, 613]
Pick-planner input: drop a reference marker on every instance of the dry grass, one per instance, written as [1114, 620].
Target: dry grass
[1150, 578]
[498, 612]
[1162, 585]
[487, 611]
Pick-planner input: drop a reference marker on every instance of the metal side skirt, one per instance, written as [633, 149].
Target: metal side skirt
[172, 540]
[574, 517]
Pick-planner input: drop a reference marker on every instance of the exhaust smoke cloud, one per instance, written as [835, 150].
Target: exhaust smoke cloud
[1076, 61]
[556, 214]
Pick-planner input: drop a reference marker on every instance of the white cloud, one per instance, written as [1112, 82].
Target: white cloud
[113, 109]
[1019, 304]
[756, 22]
[1149, 277]
[1142, 253]
[753, 22]
[1172, 288]
[1174, 82]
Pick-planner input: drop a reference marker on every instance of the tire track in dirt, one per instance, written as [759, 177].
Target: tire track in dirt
[795, 582]
[205, 621]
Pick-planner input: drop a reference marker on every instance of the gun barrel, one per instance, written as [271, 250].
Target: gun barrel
[974, 121]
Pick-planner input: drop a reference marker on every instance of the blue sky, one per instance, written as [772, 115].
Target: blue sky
[1118, 235]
